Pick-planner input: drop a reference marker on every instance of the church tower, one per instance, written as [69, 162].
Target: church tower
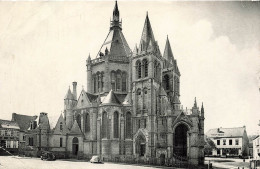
[171, 76]
[110, 69]
[70, 101]
[146, 71]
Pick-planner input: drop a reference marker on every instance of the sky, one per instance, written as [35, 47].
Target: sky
[44, 47]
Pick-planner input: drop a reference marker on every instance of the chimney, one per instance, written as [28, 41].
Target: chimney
[13, 117]
[75, 90]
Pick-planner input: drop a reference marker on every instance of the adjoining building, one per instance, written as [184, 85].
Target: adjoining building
[23, 122]
[9, 137]
[131, 110]
[256, 148]
[229, 141]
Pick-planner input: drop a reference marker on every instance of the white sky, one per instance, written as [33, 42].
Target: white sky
[44, 47]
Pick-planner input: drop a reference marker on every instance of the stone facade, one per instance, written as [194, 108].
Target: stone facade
[131, 110]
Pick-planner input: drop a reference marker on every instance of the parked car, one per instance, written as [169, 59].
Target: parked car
[95, 159]
[49, 156]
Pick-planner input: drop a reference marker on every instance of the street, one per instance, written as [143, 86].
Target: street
[14, 162]
[227, 163]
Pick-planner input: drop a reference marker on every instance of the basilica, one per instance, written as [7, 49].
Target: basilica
[131, 110]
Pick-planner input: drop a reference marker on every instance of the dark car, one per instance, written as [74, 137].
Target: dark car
[49, 156]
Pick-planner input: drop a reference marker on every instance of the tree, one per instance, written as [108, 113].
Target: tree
[209, 146]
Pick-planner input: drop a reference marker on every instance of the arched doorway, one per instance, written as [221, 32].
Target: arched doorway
[140, 145]
[181, 140]
[75, 146]
[162, 159]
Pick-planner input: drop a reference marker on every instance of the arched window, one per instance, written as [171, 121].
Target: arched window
[138, 69]
[167, 82]
[61, 126]
[75, 145]
[116, 134]
[60, 141]
[175, 84]
[104, 125]
[87, 123]
[98, 81]
[102, 81]
[145, 65]
[145, 98]
[79, 120]
[95, 84]
[155, 69]
[124, 81]
[128, 125]
[118, 80]
[159, 71]
[113, 80]
[139, 99]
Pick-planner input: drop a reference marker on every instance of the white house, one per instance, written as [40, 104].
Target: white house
[229, 141]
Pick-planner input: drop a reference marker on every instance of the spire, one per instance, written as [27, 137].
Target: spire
[89, 59]
[116, 13]
[168, 51]
[202, 110]
[195, 103]
[147, 35]
[69, 95]
[135, 51]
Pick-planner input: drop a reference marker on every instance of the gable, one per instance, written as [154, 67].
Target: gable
[83, 100]
[182, 117]
[75, 129]
[61, 127]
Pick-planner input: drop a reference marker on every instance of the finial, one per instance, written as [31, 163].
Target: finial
[195, 103]
[146, 13]
[82, 87]
[202, 105]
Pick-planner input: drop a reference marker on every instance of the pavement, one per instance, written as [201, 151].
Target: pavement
[230, 163]
[15, 162]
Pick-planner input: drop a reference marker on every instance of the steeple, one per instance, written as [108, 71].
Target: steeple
[69, 95]
[202, 110]
[115, 45]
[115, 22]
[89, 59]
[116, 13]
[168, 51]
[147, 36]
[195, 103]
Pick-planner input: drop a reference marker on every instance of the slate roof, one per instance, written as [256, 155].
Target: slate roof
[116, 44]
[91, 97]
[8, 124]
[23, 121]
[121, 97]
[147, 35]
[69, 95]
[75, 128]
[111, 98]
[226, 132]
[168, 55]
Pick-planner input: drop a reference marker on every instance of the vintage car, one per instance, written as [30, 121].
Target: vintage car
[49, 156]
[95, 159]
